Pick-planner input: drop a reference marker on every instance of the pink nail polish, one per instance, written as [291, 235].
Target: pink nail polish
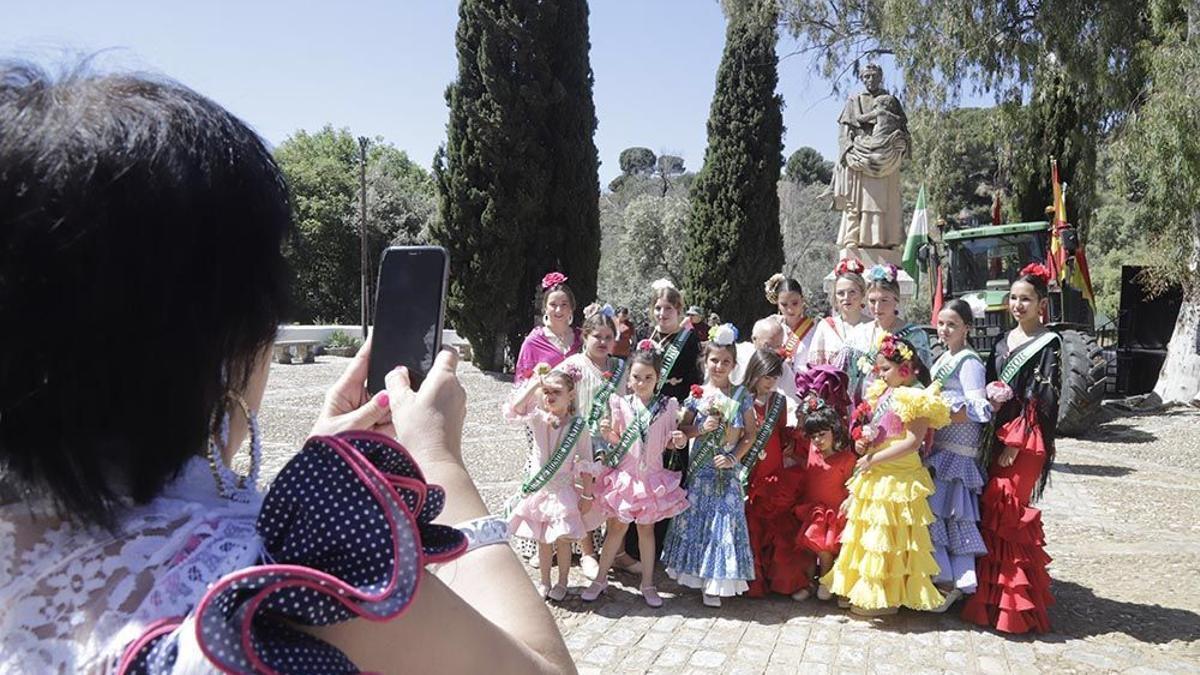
[383, 401]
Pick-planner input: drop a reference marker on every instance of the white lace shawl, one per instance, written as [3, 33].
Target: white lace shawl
[72, 597]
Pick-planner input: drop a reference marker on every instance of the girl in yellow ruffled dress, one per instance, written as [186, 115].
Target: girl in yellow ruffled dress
[886, 559]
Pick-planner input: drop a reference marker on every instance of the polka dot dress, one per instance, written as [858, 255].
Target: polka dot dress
[347, 529]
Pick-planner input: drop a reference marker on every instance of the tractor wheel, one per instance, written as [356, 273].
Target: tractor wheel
[1082, 385]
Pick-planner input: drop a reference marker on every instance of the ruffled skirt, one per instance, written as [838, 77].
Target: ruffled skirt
[1014, 587]
[957, 483]
[820, 528]
[708, 545]
[886, 558]
[780, 563]
[643, 499]
[552, 513]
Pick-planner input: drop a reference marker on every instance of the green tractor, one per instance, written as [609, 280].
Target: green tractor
[984, 261]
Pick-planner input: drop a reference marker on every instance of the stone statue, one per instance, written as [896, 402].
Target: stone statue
[872, 140]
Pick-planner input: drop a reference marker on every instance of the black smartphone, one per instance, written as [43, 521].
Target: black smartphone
[410, 310]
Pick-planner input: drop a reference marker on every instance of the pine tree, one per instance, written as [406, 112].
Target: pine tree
[492, 172]
[572, 212]
[734, 241]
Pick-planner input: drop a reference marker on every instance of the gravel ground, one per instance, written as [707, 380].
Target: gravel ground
[1122, 519]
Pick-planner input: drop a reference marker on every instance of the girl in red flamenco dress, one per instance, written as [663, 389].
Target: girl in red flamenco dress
[774, 487]
[830, 463]
[1014, 587]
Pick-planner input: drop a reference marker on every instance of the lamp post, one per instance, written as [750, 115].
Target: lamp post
[362, 201]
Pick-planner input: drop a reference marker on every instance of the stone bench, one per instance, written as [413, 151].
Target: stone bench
[286, 350]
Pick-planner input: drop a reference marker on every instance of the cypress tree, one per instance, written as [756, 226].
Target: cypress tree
[733, 237]
[571, 239]
[493, 170]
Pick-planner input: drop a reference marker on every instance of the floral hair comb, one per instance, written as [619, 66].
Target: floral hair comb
[553, 279]
[849, 266]
[723, 335]
[886, 272]
[1037, 271]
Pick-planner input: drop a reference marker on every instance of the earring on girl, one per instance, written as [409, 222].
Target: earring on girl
[230, 485]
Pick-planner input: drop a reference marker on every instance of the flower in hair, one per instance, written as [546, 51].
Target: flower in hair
[553, 279]
[661, 284]
[772, 287]
[647, 345]
[1037, 271]
[573, 372]
[723, 335]
[814, 403]
[849, 266]
[891, 347]
[885, 272]
[696, 391]
[607, 310]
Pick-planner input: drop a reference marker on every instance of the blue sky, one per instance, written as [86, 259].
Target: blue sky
[380, 68]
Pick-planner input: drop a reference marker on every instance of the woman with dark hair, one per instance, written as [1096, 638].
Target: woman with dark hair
[788, 297]
[1024, 369]
[143, 213]
[954, 456]
[554, 339]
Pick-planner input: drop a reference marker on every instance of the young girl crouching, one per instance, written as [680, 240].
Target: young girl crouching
[635, 488]
[555, 505]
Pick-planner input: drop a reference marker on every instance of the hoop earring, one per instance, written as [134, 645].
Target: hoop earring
[230, 484]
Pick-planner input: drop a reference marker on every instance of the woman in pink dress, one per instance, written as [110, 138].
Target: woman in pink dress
[555, 339]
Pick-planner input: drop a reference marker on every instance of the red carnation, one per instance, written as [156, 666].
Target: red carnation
[697, 391]
[607, 374]
[856, 433]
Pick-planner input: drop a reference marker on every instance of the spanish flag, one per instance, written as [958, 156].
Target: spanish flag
[1056, 261]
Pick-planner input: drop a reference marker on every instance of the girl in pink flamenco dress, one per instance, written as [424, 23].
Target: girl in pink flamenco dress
[555, 505]
[635, 488]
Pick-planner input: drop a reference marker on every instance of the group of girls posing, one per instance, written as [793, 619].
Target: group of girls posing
[890, 480]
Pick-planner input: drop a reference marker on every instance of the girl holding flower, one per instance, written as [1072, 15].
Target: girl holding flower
[954, 456]
[886, 560]
[708, 546]
[1023, 373]
[555, 505]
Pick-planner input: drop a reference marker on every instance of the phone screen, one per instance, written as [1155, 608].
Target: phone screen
[409, 312]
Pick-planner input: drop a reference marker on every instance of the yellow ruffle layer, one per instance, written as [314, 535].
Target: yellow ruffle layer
[910, 403]
[886, 558]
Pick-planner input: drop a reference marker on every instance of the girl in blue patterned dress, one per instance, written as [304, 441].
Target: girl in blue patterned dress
[954, 457]
[708, 546]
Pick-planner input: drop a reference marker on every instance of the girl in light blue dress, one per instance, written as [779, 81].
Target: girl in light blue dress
[954, 457]
[708, 546]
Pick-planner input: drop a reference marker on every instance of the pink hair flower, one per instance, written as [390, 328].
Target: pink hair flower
[553, 279]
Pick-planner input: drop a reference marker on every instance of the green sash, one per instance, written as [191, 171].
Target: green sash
[946, 370]
[600, 399]
[670, 356]
[778, 405]
[555, 463]
[714, 439]
[638, 429]
[1027, 352]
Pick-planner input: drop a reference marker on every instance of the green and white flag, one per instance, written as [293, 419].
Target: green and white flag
[918, 234]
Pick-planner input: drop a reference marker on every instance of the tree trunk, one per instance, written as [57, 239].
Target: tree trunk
[1179, 379]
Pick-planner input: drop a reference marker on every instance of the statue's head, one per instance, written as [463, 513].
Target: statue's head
[872, 76]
